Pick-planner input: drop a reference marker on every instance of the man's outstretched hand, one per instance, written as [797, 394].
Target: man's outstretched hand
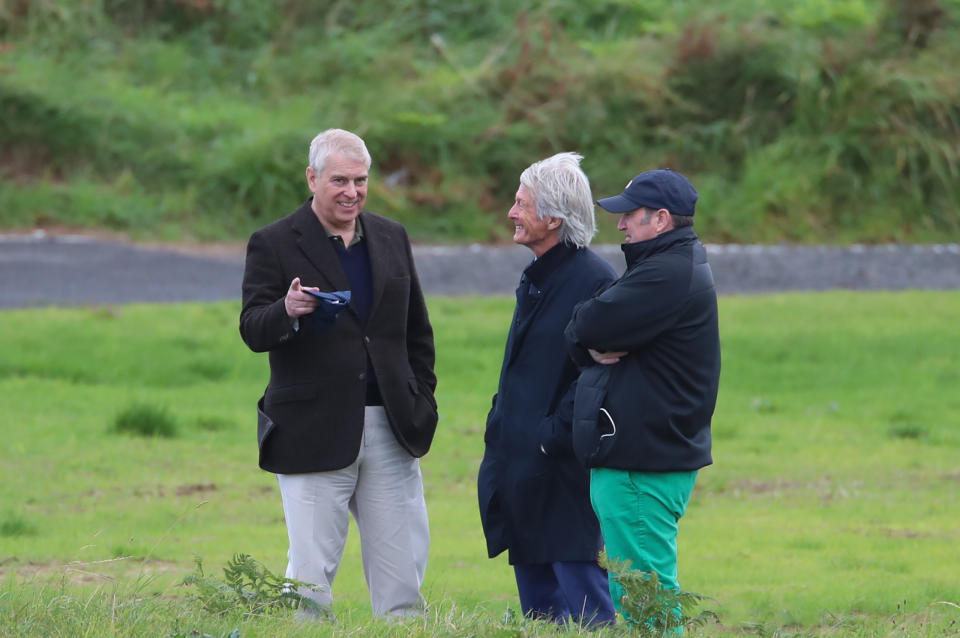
[297, 302]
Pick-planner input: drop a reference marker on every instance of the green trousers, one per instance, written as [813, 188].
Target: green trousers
[638, 514]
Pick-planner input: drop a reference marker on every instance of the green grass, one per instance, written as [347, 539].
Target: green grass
[831, 507]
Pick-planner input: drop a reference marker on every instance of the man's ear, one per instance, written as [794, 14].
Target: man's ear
[663, 220]
[553, 223]
[312, 177]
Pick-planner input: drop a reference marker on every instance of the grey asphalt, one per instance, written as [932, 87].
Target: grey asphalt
[68, 270]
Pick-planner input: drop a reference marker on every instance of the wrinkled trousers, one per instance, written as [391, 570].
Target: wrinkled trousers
[383, 490]
[639, 514]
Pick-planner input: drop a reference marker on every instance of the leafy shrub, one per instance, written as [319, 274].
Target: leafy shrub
[904, 425]
[14, 524]
[907, 432]
[260, 173]
[914, 21]
[144, 419]
[250, 586]
[810, 121]
[651, 609]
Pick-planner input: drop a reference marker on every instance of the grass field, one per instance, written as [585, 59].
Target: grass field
[832, 507]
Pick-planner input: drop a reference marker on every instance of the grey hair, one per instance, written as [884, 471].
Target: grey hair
[679, 221]
[337, 140]
[561, 189]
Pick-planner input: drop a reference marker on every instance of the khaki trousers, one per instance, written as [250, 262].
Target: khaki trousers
[383, 490]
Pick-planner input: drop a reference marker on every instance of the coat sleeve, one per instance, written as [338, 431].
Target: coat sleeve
[264, 323]
[630, 314]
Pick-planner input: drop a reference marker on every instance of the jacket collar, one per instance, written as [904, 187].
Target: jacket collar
[314, 243]
[358, 233]
[638, 251]
[540, 268]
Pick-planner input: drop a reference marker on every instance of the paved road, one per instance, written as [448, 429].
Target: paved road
[45, 270]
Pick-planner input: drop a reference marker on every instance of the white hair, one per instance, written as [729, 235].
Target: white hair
[561, 189]
[334, 141]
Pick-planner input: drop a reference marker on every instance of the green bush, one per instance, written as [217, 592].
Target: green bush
[13, 524]
[652, 610]
[804, 121]
[144, 419]
[248, 585]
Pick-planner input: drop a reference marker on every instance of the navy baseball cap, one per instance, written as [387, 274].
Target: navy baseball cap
[657, 189]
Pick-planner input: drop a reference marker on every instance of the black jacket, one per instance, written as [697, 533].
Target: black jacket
[658, 400]
[311, 414]
[534, 504]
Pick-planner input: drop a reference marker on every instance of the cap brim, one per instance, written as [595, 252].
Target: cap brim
[617, 204]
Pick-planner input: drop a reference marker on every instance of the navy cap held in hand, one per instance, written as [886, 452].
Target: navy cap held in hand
[331, 303]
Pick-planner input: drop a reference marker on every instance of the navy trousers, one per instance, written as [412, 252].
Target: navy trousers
[563, 591]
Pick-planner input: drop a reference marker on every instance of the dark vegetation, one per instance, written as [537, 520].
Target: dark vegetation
[249, 585]
[800, 120]
[144, 419]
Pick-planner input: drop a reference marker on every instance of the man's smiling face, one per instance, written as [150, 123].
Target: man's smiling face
[539, 235]
[339, 191]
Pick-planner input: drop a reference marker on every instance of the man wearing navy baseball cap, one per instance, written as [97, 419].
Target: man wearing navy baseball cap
[650, 350]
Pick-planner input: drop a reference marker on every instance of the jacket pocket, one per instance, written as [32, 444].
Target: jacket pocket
[265, 424]
[594, 431]
[607, 429]
[424, 408]
[586, 423]
[285, 393]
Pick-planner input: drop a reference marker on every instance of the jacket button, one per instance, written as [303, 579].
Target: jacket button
[363, 375]
[366, 339]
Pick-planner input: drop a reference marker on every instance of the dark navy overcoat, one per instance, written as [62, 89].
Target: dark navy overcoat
[533, 493]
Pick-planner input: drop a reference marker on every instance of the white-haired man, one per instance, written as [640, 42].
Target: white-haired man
[533, 494]
[350, 403]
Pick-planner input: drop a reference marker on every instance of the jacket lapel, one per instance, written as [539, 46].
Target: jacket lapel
[378, 243]
[529, 300]
[312, 240]
[539, 278]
